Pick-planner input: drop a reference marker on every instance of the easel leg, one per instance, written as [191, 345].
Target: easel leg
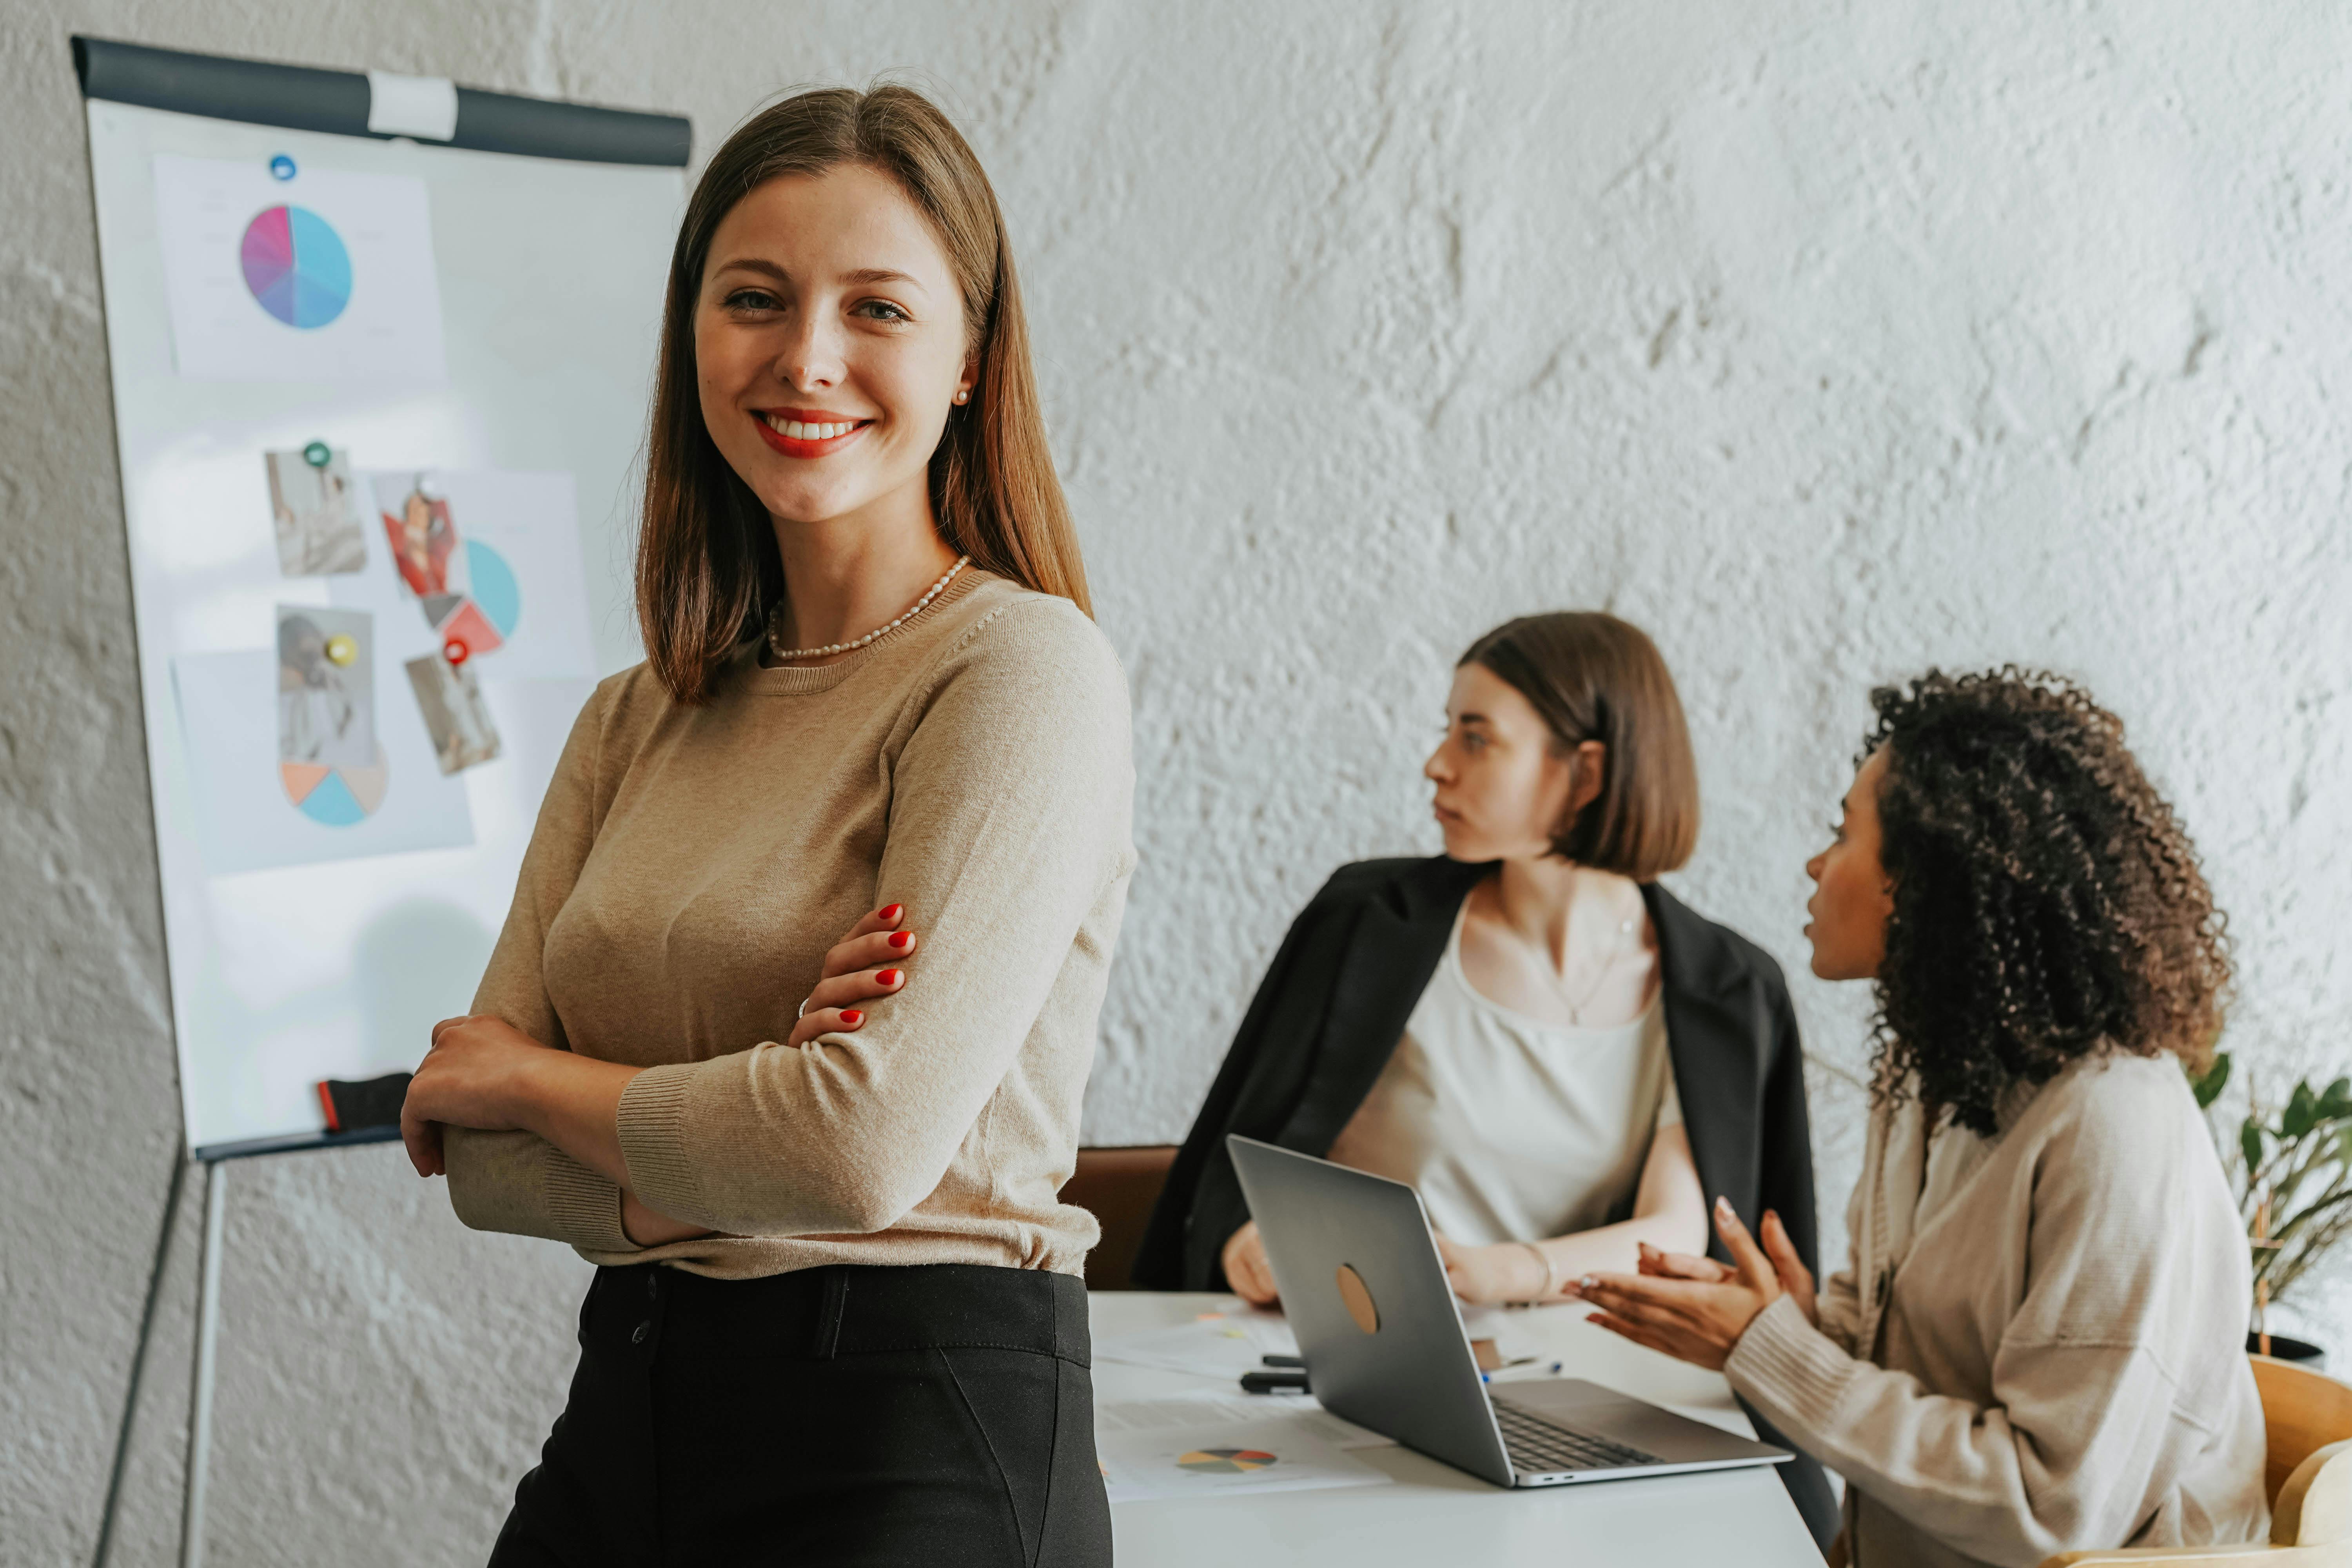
[139, 1361]
[200, 1400]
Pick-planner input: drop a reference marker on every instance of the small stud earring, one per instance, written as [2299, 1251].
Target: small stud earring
[964, 396]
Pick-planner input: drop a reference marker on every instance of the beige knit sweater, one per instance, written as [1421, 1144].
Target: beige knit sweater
[2055, 1360]
[689, 870]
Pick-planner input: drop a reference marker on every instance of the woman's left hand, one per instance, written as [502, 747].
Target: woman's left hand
[1490, 1275]
[1694, 1320]
[469, 1079]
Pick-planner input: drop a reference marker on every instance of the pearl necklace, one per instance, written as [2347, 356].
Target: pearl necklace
[783, 654]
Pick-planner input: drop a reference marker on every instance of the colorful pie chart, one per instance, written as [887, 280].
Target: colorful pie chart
[296, 265]
[1225, 1462]
[336, 797]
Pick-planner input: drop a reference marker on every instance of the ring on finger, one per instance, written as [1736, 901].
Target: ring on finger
[802, 1011]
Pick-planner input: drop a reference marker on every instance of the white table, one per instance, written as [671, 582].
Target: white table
[1436, 1516]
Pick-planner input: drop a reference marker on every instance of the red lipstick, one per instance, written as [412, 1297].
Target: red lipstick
[805, 445]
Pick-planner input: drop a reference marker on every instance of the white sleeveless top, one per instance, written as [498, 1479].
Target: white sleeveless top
[1512, 1130]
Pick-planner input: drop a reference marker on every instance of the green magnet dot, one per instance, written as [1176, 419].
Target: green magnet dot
[317, 455]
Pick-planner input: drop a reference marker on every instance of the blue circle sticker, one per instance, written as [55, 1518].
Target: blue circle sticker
[281, 167]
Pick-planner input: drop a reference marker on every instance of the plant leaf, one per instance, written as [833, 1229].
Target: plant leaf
[2208, 1087]
[2250, 1142]
[2337, 1101]
[2302, 1113]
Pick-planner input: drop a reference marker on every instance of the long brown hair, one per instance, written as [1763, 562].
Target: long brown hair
[1592, 677]
[707, 571]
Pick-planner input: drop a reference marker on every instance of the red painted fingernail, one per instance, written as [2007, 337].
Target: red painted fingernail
[887, 977]
[894, 911]
[852, 1016]
[902, 939]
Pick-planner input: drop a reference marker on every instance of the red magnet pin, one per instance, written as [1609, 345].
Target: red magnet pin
[453, 651]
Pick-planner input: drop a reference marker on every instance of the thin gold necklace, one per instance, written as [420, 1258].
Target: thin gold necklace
[1600, 976]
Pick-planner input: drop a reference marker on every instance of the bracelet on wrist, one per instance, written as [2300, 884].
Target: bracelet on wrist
[1551, 1273]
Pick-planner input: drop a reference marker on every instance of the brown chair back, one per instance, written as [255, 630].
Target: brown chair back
[1117, 1186]
[2306, 1411]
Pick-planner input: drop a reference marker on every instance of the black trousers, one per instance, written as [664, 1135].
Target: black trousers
[849, 1414]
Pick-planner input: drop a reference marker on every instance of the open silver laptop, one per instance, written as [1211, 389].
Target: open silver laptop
[1381, 1333]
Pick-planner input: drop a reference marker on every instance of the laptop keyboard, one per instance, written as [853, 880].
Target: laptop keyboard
[1538, 1447]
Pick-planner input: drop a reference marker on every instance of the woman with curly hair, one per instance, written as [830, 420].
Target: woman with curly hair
[2038, 1347]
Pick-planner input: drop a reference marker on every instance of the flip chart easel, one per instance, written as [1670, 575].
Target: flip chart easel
[459, 290]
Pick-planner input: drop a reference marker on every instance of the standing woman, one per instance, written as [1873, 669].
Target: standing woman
[2039, 1347]
[1557, 1054]
[837, 1316]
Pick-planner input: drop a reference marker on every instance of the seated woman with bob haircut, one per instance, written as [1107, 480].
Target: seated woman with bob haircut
[1561, 1057]
[2038, 1347]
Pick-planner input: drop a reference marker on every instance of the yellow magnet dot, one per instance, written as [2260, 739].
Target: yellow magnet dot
[341, 649]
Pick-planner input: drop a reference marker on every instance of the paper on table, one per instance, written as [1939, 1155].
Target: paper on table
[326, 276]
[1205, 1405]
[1214, 1344]
[1274, 1454]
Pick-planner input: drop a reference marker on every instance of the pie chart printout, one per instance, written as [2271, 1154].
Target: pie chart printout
[1225, 1462]
[296, 265]
[336, 797]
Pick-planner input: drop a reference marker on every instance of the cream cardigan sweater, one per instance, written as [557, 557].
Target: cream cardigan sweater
[692, 864]
[2055, 1360]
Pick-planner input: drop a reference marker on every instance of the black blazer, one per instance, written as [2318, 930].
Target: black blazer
[1334, 1002]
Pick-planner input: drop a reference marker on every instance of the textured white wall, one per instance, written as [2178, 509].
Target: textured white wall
[1826, 341]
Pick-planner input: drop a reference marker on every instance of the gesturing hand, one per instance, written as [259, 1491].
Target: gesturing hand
[1694, 1310]
[865, 965]
[1795, 1278]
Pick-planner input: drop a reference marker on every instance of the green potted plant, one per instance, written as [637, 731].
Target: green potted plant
[2292, 1171]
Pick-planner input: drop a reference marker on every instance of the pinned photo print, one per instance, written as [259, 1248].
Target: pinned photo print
[317, 511]
[455, 714]
[462, 627]
[424, 540]
[326, 687]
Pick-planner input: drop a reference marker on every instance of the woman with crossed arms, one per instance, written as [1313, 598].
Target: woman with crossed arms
[2039, 1345]
[837, 1315]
